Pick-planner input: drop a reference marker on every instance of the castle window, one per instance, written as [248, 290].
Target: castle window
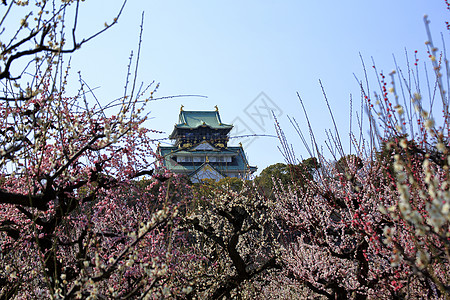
[184, 159]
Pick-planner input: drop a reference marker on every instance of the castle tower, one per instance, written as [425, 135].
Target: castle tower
[201, 150]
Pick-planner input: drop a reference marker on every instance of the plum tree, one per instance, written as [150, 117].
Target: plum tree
[70, 225]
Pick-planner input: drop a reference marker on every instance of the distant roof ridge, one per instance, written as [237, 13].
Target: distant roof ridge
[197, 118]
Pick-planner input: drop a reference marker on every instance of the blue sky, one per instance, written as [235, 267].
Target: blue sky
[232, 51]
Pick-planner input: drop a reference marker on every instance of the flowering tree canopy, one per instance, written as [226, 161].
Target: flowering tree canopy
[376, 223]
[232, 231]
[70, 222]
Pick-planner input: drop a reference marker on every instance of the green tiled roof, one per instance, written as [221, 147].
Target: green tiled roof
[224, 152]
[195, 119]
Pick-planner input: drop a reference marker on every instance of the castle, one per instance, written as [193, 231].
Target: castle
[201, 150]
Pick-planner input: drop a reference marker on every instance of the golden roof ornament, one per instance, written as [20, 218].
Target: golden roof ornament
[217, 110]
[181, 108]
